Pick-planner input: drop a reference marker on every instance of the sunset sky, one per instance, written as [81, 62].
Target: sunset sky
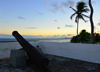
[43, 18]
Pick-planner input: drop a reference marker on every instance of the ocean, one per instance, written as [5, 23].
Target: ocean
[61, 40]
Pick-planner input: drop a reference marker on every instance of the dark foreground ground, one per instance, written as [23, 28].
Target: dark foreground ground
[56, 64]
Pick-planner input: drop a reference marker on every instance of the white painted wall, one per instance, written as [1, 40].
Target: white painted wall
[86, 52]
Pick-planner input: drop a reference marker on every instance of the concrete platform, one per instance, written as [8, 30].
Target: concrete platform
[17, 58]
[56, 64]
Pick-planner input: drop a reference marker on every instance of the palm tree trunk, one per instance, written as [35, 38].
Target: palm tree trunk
[91, 21]
[77, 30]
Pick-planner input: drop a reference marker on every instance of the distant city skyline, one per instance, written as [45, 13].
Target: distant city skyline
[43, 18]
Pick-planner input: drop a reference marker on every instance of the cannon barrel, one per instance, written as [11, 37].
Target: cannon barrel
[36, 58]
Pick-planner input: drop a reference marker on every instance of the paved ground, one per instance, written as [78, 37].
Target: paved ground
[56, 64]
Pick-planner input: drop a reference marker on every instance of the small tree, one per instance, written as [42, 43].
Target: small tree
[74, 39]
[97, 37]
[84, 36]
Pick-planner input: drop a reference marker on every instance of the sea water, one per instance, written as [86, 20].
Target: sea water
[56, 40]
[62, 40]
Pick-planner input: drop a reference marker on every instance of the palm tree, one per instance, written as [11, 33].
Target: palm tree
[81, 8]
[91, 21]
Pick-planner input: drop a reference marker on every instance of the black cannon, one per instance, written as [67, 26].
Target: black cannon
[36, 58]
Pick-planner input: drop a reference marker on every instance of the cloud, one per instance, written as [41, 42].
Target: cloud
[5, 36]
[31, 28]
[40, 36]
[45, 2]
[55, 6]
[55, 20]
[87, 20]
[36, 36]
[48, 36]
[40, 13]
[93, 2]
[21, 17]
[29, 36]
[68, 26]
[58, 27]
[25, 36]
[54, 36]
[99, 23]
[59, 6]
[7, 22]
[33, 36]
[68, 3]
[62, 36]
[69, 34]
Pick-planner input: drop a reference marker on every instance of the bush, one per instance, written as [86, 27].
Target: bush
[83, 37]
